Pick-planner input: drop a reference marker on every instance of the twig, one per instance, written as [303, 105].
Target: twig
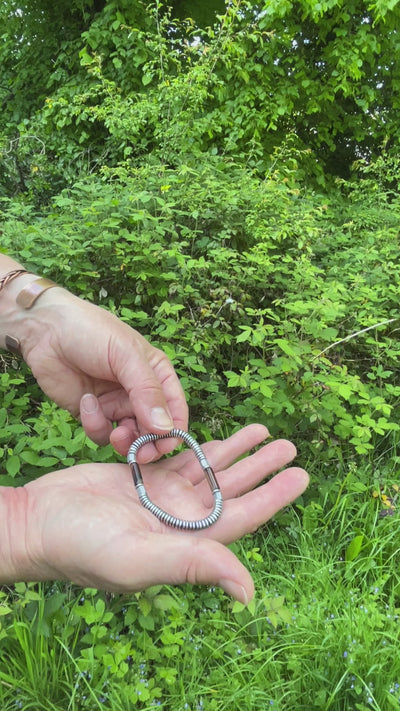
[353, 335]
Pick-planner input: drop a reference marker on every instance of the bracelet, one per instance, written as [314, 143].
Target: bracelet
[167, 518]
[26, 299]
[30, 293]
[10, 276]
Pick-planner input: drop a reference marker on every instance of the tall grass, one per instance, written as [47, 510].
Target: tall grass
[322, 632]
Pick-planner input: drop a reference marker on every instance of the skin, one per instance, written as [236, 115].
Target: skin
[94, 365]
[87, 525]
[94, 374]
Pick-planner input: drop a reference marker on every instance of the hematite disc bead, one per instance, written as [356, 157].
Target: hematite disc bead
[163, 516]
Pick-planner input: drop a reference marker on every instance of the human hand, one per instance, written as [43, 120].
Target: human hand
[91, 363]
[86, 524]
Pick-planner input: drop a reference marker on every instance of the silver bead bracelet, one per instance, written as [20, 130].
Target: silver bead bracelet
[163, 516]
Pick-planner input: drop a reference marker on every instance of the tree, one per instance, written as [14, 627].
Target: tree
[122, 80]
[327, 72]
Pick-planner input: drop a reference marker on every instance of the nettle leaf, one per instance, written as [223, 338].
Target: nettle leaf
[276, 610]
[166, 602]
[146, 622]
[145, 605]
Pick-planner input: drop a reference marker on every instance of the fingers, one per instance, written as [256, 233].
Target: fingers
[122, 437]
[247, 513]
[221, 454]
[205, 564]
[249, 472]
[147, 392]
[99, 427]
[144, 406]
[241, 442]
[93, 419]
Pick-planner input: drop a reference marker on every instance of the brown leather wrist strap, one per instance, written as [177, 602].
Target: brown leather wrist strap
[26, 299]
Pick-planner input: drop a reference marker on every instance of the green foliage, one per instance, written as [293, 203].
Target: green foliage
[275, 304]
[202, 12]
[36, 439]
[321, 70]
[124, 80]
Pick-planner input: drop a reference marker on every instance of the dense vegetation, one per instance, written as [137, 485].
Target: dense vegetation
[226, 181]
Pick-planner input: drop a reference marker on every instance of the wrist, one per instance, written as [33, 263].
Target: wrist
[15, 562]
[11, 315]
[23, 321]
[21, 555]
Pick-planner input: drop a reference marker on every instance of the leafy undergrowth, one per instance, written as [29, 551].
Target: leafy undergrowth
[275, 303]
[321, 633]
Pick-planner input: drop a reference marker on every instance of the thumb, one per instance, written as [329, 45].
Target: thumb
[155, 559]
[206, 562]
[156, 396]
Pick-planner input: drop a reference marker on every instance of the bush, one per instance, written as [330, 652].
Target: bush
[274, 304]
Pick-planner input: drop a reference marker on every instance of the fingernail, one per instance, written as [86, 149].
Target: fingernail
[235, 590]
[89, 404]
[161, 419]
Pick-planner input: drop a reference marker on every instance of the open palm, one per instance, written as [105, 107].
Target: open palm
[87, 525]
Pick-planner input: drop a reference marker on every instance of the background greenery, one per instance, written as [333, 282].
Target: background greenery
[226, 181]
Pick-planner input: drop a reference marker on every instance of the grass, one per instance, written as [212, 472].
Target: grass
[322, 632]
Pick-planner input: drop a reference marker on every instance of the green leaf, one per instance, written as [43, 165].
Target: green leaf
[147, 623]
[286, 348]
[13, 465]
[238, 607]
[144, 606]
[4, 609]
[165, 602]
[245, 335]
[345, 390]
[30, 457]
[354, 548]
[47, 461]
[54, 603]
